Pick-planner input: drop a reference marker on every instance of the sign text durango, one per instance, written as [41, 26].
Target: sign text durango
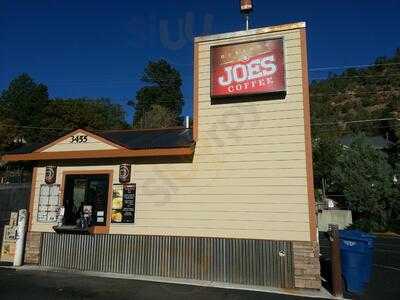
[247, 68]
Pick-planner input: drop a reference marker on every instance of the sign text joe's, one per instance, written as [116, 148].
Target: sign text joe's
[248, 68]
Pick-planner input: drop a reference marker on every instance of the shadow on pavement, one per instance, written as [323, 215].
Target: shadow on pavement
[50, 285]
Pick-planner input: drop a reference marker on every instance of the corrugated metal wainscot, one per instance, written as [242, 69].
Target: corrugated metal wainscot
[241, 261]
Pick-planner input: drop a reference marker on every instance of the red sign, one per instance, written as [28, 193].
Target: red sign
[248, 68]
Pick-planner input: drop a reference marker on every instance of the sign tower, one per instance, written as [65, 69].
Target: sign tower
[246, 7]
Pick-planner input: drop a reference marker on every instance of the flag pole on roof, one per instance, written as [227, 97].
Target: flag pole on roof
[246, 7]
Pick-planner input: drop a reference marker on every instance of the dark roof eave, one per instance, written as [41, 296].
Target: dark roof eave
[102, 154]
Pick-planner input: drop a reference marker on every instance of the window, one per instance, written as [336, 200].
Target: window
[82, 191]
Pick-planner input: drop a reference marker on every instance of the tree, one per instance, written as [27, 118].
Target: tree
[394, 160]
[157, 117]
[8, 134]
[24, 102]
[27, 113]
[326, 152]
[96, 114]
[163, 88]
[366, 179]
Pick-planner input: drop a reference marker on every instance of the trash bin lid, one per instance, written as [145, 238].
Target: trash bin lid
[357, 235]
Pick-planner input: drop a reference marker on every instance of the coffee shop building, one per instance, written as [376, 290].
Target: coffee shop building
[229, 199]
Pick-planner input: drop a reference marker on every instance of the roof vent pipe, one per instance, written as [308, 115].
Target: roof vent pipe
[187, 123]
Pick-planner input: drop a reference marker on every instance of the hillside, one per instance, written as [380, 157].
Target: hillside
[359, 94]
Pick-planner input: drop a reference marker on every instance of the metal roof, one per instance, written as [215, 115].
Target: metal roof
[150, 138]
[132, 139]
[378, 142]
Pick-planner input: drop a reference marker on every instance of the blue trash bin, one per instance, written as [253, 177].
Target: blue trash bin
[356, 250]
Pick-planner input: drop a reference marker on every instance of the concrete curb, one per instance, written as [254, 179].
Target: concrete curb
[323, 293]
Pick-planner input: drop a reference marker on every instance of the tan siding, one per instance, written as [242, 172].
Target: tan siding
[222, 173]
[222, 224]
[165, 189]
[220, 166]
[235, 146]
[181, 183]
[278, 199]
[249, 216]
[249, 113]
[244, 133]
[195, 207]
[212, 232]
[256, 124]
[248, 175]
[264, 156]
[254, 141]
[256, 107]
[255, 114]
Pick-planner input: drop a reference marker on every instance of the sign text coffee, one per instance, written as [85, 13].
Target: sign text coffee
[247, 68]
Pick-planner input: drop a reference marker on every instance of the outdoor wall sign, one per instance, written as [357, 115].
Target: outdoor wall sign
[248, 68]
[51, 174]
[49, 204]
[100, 216]
[124, 173]
[123, 203]
[9, 239]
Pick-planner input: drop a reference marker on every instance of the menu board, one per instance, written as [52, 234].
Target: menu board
[49, 203]
[123, 203]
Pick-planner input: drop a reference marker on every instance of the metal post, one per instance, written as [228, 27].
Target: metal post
[187, 122]
[246, 7]
[336, 269]
[19, 247]
[247, 16]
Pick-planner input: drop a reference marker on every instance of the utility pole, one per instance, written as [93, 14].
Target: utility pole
[336, 269]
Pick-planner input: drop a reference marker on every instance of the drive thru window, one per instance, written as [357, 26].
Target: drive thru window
[82, 191]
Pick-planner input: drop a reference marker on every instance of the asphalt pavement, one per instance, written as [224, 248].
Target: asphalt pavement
[385, 281]
[23, 284]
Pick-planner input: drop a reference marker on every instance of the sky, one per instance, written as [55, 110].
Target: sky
[99, 48]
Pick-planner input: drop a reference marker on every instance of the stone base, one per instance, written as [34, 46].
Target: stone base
[33, 248]
[307, 273]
